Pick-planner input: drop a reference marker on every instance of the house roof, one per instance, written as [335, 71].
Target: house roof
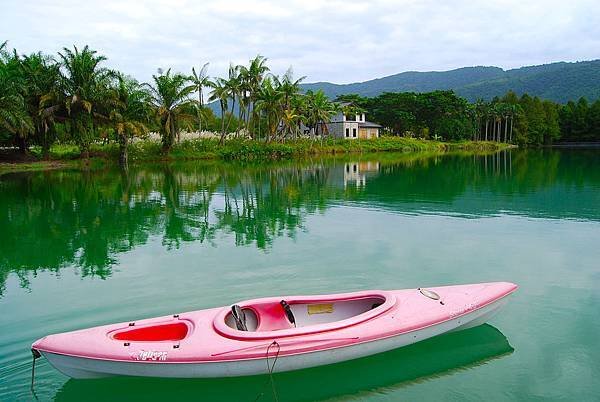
[368, 124]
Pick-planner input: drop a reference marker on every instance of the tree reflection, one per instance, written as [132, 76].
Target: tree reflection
[54, 219]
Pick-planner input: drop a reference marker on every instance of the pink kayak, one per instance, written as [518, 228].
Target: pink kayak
[272, 334]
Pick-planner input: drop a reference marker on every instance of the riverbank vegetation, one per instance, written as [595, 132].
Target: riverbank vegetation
[524, 120]
[73, 101]
[241, 150]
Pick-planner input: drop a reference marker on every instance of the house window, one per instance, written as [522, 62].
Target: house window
[347, 132]
[354, 132]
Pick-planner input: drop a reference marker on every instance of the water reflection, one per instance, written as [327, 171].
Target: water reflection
[50, 220]
[375, 374]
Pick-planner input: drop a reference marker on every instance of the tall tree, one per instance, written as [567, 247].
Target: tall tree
[220, 92]
[200, 80]
[320, 111]
[170, 98]
[252, 77]
[83, 80]
[15, 123]
[130, 113]
[44, 97]
[269, 102]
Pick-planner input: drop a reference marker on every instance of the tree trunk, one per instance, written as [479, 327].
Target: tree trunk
[240, 116]
[22, 144]
[511, 128]
[200, 110]
[222, 139]
[46, 147]
[232, 114]
[498, 130]
[487, 123]
[506, 129]
[123, 157]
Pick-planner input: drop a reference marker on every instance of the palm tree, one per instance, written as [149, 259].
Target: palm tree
[268, 101]
[44, 97]
[221, 93]
[200, 80]
[130, 113]
[253, 76]
[320, 110]
[290, 121]
[170, 98]
[288, 86]
[514, 110]
[233, 85]
[480, 114]
[14, 119]
[494, 114]
[505, 114]
[82, 80]
[290, 90]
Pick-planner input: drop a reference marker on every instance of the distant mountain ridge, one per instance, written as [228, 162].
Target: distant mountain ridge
[559, 82]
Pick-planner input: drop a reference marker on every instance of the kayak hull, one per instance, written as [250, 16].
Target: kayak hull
[86, 367]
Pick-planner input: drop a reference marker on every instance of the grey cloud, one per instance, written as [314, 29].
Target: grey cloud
[339, 41]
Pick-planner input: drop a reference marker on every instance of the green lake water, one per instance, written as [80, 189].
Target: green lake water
[79, 249]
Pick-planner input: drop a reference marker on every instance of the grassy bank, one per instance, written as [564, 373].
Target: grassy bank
[64, 156]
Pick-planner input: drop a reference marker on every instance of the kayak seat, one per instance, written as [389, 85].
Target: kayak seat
[259, 317]
[272, 317]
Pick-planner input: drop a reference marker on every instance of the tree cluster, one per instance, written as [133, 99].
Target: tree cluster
[524, 120]
[580, 122]
[74, 98]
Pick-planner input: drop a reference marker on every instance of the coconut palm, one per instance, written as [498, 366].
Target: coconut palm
[268, 102]
[200, 80]
[130, 114]
[83, 79]
[44, 97]
[14, 120]
[288, 86]
[320, 111]
[170, 98]
[290, 122]
[220, 92]
[233, 85]
[289, 89]
[252, 77]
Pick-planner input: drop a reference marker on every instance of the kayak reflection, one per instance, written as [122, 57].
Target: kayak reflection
[431, 358]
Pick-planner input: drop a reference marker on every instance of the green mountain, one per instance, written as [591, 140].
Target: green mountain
[559, 82]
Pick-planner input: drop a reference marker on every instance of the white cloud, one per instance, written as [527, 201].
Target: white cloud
[339, 41]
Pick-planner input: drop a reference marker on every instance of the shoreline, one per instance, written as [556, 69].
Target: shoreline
[67, 157]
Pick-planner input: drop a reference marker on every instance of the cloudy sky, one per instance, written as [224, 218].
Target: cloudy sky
[329, 40]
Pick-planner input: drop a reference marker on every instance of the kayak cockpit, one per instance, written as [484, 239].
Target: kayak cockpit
[159, 332]
[265, 318]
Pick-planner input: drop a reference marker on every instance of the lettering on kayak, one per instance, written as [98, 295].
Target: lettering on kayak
[149, 355]
[464, 309]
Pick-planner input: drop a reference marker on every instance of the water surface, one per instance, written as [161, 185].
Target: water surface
[79, 249]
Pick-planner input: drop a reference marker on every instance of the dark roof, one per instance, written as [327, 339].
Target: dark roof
[369, 124]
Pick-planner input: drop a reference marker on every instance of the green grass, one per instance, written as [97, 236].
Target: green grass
[62, 155]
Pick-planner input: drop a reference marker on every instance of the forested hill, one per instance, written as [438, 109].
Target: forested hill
[559, 82]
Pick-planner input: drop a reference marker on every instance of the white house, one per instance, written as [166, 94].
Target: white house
[352, 127]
